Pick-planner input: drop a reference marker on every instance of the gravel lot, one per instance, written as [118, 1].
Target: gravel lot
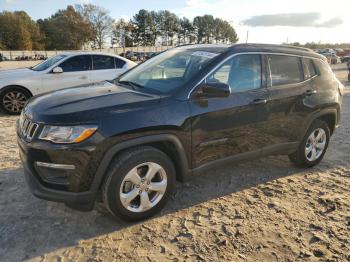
[266, 210]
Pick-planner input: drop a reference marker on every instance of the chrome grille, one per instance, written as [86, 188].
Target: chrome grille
[28, 127]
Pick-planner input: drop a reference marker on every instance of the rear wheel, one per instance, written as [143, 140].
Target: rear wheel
[13, 99]
[314, 145]
[139, 183]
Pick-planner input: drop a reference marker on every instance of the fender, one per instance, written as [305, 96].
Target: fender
[114, 150]
[319, 114]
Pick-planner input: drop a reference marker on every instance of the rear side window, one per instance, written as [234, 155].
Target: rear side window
[119, 63]
[310, 66]
[285, 69]
[77, 63]
[101, 62]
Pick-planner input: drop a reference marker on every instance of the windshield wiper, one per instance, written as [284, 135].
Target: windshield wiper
[132, 84]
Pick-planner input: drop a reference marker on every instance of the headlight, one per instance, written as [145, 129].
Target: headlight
[67, 134]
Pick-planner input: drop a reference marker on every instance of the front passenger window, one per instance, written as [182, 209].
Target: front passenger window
[77, 63]
[241, 73]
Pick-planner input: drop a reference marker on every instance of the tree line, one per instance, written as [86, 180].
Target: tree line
[90, 26]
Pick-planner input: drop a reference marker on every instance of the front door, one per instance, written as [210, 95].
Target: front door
[224, 127]
[76, 71]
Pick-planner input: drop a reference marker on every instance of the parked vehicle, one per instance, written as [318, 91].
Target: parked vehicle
[332, 58]
[345, 59]
[58, 72]
[186, 110]
[345, 52]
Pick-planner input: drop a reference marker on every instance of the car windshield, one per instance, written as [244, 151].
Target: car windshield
[167, 71]
[48, 63]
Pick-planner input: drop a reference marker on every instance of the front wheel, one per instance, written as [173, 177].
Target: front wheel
[139, 183]
[13, 99]
[314, 145]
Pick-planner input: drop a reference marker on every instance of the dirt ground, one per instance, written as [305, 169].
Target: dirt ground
[265, 210]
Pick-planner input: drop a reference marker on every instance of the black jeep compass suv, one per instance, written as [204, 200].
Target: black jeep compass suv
[187, 109]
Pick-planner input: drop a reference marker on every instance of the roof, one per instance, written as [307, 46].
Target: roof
[85, 53]
[254, 48]
[220, 48]
[287, 49]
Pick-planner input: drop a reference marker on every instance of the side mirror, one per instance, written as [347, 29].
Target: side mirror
[213, 89]
[57, 70]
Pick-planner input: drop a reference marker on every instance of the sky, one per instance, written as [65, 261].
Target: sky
[267, 21]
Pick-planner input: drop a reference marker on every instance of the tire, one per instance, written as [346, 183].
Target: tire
[19, 94]
[303, 156]
[118, 185]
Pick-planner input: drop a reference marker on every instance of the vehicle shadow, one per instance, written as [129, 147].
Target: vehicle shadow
[30, 227]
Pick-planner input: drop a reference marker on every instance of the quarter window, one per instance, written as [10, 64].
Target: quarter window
[310, 67]
[285, 69]
[103, 62]
[77, 63]
[119, 63]
[241, 73]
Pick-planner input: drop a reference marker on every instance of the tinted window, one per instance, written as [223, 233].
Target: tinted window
[119, 63]
[285, 69]
[241, 73]
[77, 63]
[103, 62]
[310, 67]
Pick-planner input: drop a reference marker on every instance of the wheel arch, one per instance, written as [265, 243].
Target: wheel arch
[330, 116]
[3, 89]
[167, 143]
[330, 119]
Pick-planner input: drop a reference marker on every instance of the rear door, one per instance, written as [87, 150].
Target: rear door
[291, 94]
[234, 125]
[106, 68]
[76, 71]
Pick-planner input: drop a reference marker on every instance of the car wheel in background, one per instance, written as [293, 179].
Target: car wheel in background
[138, 183]
[13, 99]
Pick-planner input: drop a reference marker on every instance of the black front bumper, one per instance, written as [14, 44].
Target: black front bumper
[82, 200]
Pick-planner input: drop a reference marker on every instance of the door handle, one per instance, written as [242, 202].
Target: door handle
[83, 77]
[259, 101]
[310, 92]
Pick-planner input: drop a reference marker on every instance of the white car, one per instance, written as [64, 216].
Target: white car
[58, 72]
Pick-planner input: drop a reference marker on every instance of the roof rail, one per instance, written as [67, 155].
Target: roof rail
[274, 45]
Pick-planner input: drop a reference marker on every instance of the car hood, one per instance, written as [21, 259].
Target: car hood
[14, 73]
[86, 103]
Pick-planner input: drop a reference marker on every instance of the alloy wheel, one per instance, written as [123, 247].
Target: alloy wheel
[14, 101]
[143, 187]
[315, 144]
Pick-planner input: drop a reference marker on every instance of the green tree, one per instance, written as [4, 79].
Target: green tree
[210, 30]
[145, 29]
[65, 30]
[19, 32]
[186, 31]
[168, 26]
